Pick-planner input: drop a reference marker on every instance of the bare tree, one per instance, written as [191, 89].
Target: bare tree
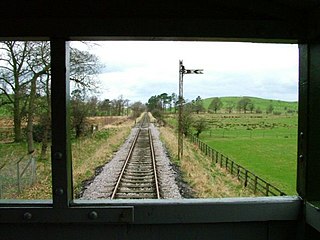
[137, 108]
[39, 64]
[25, 77]
[15, 80]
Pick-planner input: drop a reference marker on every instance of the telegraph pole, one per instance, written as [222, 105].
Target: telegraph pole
[183, 71]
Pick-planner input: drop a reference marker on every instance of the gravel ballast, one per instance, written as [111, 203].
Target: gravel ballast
[102, 185]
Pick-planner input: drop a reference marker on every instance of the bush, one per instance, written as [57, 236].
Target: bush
[276, 113]
[103, 134]
[38, 132]
[258, 111]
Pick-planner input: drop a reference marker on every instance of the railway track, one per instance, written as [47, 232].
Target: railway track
[138, 177]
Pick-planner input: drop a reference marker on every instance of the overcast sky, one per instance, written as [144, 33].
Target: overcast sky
[138, 70]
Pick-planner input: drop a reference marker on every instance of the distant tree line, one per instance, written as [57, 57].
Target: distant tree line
[83, 107]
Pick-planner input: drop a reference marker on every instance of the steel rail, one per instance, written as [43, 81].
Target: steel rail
[129, 157]
[153, 156]
[125, 164]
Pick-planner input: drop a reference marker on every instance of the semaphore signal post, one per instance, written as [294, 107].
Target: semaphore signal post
[183, 71]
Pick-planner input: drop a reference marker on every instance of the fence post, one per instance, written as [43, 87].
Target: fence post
[255, 184]
[33, 170]
[221, 156]
[227, 160]
[212, 155]
[232, 167]
[246, 178]
[267, 189]
[216, 157]
[18, 178]
[238, 172]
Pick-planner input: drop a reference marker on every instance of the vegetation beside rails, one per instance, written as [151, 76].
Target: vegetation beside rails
[88, 153]
[206, 178]
[91, 153]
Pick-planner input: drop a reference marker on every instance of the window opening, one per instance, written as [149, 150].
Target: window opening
[239, 117]
[242, 109]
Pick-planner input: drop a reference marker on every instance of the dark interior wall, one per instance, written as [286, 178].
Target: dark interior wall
[263, 20]
[227, 231]
[292, 21]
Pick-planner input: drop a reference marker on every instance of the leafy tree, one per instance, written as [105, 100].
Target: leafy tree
[269, 109]
[174, 100]
[165, 100]
[200, 125]
[197, 105]
[153, 103]
[258, 110]
[230, 106]
[158, 102]
[187, 120]
[79, 112]
[215, 105]
[243, 104]
[251, 107]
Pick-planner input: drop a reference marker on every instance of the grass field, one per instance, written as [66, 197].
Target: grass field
[265, 145]
[205, 179]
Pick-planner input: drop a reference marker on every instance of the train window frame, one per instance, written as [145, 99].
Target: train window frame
[64, 209]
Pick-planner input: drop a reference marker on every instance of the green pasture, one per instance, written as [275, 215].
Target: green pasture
[266, 145]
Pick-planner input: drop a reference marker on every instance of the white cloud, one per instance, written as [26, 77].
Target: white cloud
[137, 70]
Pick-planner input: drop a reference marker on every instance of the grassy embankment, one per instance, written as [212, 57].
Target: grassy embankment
[87, 154]
[207, 180]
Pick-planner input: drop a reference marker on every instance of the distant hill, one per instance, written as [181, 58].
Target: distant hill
[259, 103]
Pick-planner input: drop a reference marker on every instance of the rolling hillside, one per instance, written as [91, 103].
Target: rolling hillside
[262, 104]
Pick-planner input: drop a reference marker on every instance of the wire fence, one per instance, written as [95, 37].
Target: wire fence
[249, 179]
[16, 174]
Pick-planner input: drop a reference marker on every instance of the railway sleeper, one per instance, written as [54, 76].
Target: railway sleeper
[143, 179]
[135, 186]
[136, 181]
[139, 191]
[139, 174]
[129, 196]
